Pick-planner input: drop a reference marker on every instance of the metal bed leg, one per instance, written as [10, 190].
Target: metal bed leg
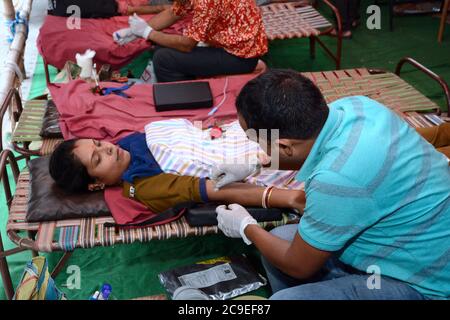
[444, 13]
[32, 235]
[429, 73]
[338, 56]
[6, 275]
[61, 264]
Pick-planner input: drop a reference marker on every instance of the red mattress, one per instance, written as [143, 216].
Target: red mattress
[57, 43]
[87, 115]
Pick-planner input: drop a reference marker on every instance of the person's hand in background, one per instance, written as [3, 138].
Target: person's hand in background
[139, 26]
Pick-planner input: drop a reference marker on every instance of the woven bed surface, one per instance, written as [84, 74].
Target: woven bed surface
[291, 20]
[29, 127]
[67, 235]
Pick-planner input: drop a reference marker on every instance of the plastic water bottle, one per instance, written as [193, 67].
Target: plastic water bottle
[103, 294]
[149, 76]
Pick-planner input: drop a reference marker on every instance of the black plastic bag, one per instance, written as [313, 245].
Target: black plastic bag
[220, 278]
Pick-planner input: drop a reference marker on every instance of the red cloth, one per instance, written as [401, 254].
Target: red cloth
[85, 115]
[122, 5]
[129, 212]
[57, 43]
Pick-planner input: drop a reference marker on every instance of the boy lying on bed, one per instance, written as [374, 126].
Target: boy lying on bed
[87, 164]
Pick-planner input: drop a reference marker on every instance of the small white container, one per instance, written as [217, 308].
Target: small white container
[85, 61]
[188, 293]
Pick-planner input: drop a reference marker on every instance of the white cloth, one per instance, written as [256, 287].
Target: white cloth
[182, 148]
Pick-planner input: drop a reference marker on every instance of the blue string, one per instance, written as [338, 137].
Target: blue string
[12, 26]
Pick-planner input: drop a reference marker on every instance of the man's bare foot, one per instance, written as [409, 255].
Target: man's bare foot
[356, 23]
[345, 34]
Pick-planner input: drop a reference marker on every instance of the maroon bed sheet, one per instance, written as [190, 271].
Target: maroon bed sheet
[57, 43]
[84, 114]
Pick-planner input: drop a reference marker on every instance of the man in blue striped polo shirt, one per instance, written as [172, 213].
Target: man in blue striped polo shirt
[376, 222]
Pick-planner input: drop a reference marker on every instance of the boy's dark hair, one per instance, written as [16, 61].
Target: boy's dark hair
[283, 100]
[67, 170]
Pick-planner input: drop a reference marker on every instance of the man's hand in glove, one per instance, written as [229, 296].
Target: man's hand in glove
[234, 220]
[227, 173]
[139, 26]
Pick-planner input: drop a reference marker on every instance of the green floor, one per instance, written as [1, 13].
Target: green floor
[132, 269]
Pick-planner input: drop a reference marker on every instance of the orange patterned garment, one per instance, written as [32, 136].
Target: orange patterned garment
[235, 25]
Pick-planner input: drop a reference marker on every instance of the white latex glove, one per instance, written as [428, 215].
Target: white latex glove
[225, 174]
[139, 26]
[234, 220]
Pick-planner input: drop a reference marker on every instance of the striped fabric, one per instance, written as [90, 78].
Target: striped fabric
[183, 148]
[68, 237]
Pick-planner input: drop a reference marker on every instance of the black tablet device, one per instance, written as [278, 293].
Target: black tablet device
[184, 95]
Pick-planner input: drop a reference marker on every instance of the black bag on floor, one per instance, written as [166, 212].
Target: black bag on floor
[88, 8]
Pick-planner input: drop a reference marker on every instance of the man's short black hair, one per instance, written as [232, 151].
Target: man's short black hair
[283, 100]
[67, 170]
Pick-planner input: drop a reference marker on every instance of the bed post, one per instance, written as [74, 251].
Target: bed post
[8, 10]
[4, 270]
[430, 74]
[7, 157]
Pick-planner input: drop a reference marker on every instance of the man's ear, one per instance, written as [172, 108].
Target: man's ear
[285, 146]
[96, 186]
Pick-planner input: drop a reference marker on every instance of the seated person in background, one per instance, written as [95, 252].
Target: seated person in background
[349, 11]
[86, 164]
[438, 136]
[156, 6]
[232, 30]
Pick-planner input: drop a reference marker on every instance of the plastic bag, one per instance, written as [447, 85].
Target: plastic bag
[221, 278]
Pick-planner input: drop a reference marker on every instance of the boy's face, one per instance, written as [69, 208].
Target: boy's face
[103, 160]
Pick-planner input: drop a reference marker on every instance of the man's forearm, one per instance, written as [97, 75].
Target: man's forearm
[178, 42]
[271, 247]
[296, 259]
[163, 20]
